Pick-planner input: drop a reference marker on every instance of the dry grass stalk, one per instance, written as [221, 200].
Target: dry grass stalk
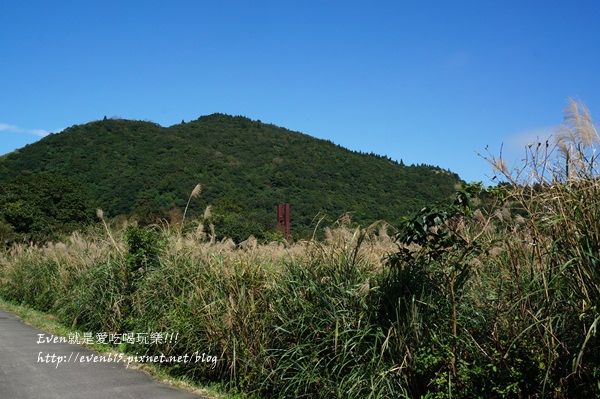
[576, 140]
[100, 214]
[195, 192]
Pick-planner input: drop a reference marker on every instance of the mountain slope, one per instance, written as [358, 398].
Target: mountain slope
[245, 167]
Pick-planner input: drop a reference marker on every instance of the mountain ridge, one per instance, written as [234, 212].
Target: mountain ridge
[245, 166]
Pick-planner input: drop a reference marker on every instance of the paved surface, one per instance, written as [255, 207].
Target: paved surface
[27, 374]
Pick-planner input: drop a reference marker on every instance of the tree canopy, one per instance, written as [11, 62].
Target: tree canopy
[246, 168]
[41, 207]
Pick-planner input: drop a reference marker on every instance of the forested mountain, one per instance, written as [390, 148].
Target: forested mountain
[245, 167]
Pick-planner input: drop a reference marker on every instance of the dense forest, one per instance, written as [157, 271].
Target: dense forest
[145, 171]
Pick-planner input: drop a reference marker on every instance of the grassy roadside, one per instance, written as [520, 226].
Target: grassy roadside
[49, 324]
[494, 295]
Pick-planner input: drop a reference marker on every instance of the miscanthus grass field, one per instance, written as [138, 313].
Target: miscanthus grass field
[495, 294]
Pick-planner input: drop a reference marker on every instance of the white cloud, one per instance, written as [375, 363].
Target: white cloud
[5, 127]
[520, 140]
[39, 132]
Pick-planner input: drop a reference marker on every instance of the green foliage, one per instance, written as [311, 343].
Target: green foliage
[326, 342]
[216, 306]
[144, 248]
[493, 295]
[98, 299]
[236, 226]
[139, 168]
[42, 207]
[33, 286]
[328, 321]
[7, 233]
[434, 228]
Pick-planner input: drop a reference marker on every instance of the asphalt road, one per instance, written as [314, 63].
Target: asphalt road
[32, 370]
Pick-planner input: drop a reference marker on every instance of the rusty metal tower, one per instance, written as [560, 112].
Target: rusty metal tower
[283, 219]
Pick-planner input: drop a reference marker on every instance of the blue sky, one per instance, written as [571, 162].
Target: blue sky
[427, 82]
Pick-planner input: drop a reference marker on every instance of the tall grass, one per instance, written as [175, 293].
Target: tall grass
[218, 299]
[496, 295]
[557, 191]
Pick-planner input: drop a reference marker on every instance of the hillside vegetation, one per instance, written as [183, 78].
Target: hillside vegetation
[494, 294]
[245, 168]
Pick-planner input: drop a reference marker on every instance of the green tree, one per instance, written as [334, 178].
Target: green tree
[43, 206]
